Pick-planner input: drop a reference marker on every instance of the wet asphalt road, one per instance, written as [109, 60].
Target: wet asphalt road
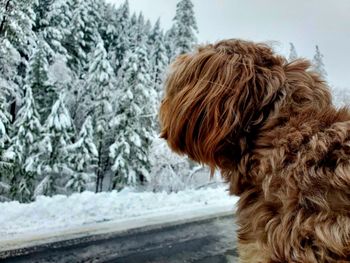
[206, 241]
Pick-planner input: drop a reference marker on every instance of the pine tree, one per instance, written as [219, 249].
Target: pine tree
[9, 61]
[158, 57]
[133, 20]
[100, 89]
[292, 53]
[185, 27]
[96, 10]
[83, 37]
[17, 40]
[318, 64]
[52, 160]
[58, 19]
[138, 31]
[8, 89]
[56, 35]
[169, 43]
[37, 79]
[83, 158]
[118, 38]
[23, 145]
[42, 27]
[4, 121]
[147, 28]
[4, 140]
[41, 8]
[16, 23]
[61, 15]
[108, 26]
[134, 121]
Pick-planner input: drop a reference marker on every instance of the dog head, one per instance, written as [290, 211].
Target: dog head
[218, 97]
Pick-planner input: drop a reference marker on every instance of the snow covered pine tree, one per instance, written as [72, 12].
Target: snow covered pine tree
[83, 158]
[134, 121]
[24, 145]
[52, 159]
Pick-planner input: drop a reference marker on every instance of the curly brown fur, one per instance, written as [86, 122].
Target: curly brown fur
[271, 128]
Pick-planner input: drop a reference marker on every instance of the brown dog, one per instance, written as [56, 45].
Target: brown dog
[271, 128]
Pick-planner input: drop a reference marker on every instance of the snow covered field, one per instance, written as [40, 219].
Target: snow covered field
[61, 213]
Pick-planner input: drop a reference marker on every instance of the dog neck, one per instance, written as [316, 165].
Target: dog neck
[280, 134]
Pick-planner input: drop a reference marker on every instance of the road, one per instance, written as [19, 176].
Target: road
[207, 241]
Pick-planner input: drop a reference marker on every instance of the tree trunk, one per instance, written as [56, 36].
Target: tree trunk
[103, 170]
[100, 169]
[97, 182]
[115, 181]
[13, 111]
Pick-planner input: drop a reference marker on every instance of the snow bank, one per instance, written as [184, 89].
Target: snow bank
[61, 212]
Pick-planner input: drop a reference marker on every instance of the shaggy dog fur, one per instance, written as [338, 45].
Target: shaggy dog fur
[270, 127]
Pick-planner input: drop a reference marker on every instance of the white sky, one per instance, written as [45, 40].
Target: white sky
[303, 22]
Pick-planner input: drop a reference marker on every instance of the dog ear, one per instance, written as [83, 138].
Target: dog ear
[306, 89]
[217, 97]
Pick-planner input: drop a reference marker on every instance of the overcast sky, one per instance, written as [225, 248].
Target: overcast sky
[303, 22]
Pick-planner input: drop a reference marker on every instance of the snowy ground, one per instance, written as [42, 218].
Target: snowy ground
[61, 213]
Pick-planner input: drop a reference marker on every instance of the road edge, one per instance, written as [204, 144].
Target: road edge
[114, 228]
